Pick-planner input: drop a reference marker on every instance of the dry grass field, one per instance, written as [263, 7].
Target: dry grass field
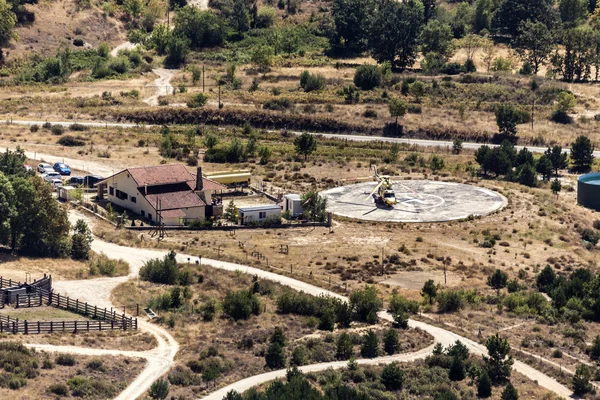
[224, 342]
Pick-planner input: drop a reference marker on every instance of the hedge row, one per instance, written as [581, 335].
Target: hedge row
[277, 120]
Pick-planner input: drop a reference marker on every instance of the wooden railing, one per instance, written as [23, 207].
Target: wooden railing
[103, 319]
[2, 295]
[14, 325]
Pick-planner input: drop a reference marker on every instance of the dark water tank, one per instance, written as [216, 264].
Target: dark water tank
[588, 191]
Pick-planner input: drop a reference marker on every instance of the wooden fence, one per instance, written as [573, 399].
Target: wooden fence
[14, 325]
[2, 295]
[103, 319]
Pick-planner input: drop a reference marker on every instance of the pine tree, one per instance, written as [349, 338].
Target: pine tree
[391, 343]
[457, 370]
[484, 387]
[344, 347]
[499, 362]
[370, 347]
[581, 380]
[510, 393]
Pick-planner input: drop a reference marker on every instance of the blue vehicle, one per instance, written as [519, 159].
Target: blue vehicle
[62, 168]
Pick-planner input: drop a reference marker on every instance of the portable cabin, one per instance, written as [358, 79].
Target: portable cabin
[293, 204]
[258, 214]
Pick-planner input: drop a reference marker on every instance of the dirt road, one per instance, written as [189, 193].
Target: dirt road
[160, 359]
[161, 86]
[136, 257]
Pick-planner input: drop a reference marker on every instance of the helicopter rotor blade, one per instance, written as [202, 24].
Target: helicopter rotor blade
[374, 190]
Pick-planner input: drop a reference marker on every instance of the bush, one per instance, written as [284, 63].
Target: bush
[57, 129]
[161, 271]
[365, 304]
[65, 360]
[78, 42]
[561, 117]
[70, 141]
[450, 301]
[159, 389]
[590, 236]
[241, 305]
[78, 127]
[59, 389]
[392, 377]
[266, 17]
[314, 82]
[280, 104]
[34, 128]
[367, 77]
[95, 365]
[196, 101]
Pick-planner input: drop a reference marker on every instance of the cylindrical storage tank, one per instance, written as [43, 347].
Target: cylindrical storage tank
[588, 191]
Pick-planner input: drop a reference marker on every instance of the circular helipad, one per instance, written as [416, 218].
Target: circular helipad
[417, 201]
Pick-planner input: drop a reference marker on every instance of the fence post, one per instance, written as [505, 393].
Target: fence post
[63, 323]
[137, 310]
[124, 322]
[77, 304]
[88, 325]
[95, 311]
[39, 327]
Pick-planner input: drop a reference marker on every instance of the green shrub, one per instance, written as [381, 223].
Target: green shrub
[78, 42]
[65, 360]
[95, 365]
[78, 127]
[57, 129]
[241, 305]
[197, 100]
[367, 77]
[59, 389]
[450, 300]
[70, 141]
[161, 271]
[280, 104]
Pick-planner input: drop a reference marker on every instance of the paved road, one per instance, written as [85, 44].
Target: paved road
[442, 144]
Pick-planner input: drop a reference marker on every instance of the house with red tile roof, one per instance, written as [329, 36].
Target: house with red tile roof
[167, 192]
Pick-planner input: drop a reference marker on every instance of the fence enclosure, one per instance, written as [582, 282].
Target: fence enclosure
[40, 293]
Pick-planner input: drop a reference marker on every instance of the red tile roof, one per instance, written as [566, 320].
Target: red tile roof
[160, 175]
[208, 184]
[173, 214]
[176, 200]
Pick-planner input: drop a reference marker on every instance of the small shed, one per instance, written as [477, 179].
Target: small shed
[65, 193]
[293, 204]
[258, 214]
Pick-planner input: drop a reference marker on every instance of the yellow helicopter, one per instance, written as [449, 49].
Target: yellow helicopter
[385, 195]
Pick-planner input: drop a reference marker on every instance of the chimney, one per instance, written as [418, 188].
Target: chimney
[199, 183]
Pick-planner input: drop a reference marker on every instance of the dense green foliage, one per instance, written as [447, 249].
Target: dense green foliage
[32, 222]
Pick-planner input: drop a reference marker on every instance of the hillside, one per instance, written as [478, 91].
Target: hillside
[59, 22]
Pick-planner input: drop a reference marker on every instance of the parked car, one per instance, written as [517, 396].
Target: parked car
[43, 167]
[62, 168]
[91, 180]
[27, 167]
[76, 181]
[56, 183]
[50, 176]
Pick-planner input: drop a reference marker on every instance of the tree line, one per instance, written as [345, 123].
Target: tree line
[32, 222]
[566, 38]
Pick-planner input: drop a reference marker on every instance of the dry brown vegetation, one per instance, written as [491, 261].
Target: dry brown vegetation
[236, 348]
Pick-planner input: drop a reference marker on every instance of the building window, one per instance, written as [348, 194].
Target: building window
[133, 199]
[143, 213]
[111, 190]
[262, 215]
[121, 195]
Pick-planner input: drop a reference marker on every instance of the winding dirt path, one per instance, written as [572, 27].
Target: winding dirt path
[160, 359]
[161, 86]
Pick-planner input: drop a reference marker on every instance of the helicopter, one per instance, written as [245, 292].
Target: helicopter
[383, 194]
